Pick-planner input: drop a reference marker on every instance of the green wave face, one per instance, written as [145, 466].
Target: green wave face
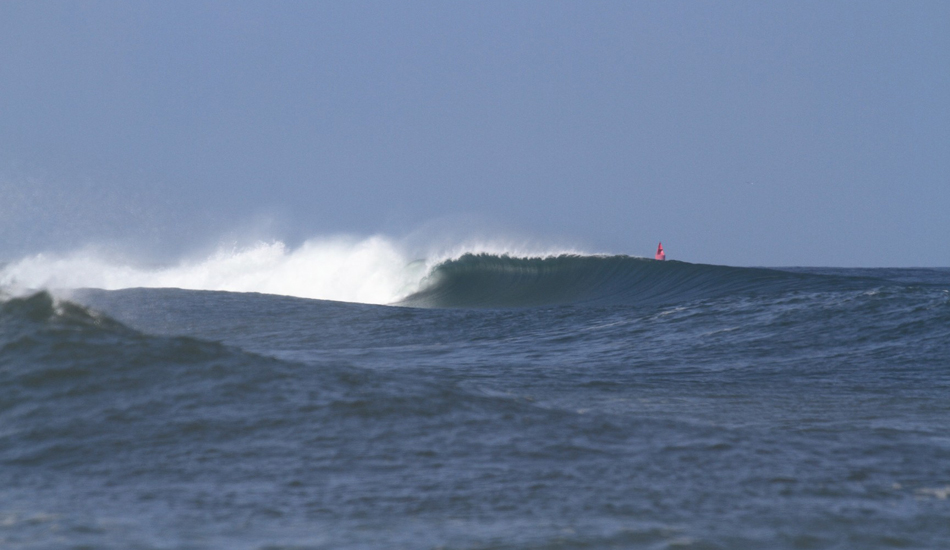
[490, 281]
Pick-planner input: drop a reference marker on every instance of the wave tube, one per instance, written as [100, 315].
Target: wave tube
[488, 280]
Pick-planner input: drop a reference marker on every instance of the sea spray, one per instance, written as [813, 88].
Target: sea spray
[373, 270]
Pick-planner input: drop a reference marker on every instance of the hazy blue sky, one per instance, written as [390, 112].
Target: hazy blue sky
[744, 133]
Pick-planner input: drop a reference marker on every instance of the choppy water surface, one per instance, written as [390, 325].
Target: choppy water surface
[621, 404]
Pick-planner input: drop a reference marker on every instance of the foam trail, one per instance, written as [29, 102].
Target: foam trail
[372, 270]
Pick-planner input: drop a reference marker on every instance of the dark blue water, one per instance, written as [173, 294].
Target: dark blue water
[562, 403]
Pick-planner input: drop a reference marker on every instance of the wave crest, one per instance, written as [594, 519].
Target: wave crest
[378, 270]
[486, 280]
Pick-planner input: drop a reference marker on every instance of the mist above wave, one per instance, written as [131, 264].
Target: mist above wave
[374, 270]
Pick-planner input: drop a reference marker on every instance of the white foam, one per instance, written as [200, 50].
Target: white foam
[374, 270]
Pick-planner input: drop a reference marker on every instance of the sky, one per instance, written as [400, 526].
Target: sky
[738, 133]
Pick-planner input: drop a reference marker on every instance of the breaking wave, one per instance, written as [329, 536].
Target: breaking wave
[379, 271]
[374, 270]
[486, 280]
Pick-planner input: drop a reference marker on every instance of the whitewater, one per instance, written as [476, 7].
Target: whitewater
[359, 393]
[373, 270]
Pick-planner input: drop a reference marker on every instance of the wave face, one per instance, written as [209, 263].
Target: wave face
[487, 280]
[378, 270]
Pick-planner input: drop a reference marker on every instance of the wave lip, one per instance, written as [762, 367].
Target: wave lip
[488, 280]
[377, 270]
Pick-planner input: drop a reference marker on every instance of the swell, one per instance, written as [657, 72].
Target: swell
[487, 280]
[80, 390]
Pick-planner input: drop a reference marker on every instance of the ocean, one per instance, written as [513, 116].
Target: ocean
[498, 402]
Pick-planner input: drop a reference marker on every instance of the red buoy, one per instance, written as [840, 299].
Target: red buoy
[660, 255]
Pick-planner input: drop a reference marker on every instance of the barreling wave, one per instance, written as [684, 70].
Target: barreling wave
[378, 270]
[487, 280]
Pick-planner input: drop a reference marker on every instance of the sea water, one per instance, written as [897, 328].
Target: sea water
[502, 402]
